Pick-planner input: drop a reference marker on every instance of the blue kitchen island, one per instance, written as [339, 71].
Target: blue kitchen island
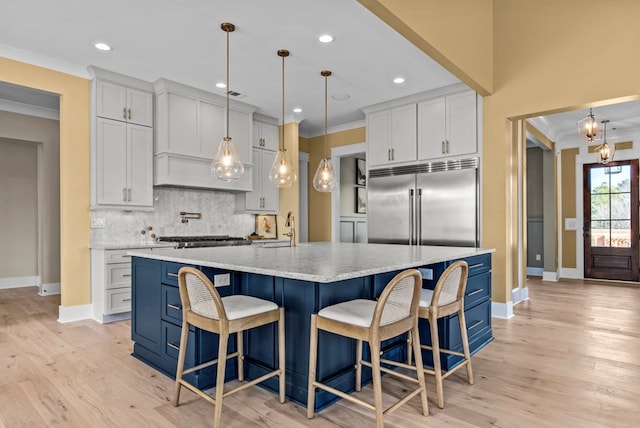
[302, 279]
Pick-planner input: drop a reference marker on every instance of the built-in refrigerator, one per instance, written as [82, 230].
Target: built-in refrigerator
[434, 203]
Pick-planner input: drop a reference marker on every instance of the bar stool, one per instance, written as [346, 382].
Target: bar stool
[395, 313]
[202, 307]
[445, 299]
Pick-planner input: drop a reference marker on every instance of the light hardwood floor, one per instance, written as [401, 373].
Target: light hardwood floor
[570, 358]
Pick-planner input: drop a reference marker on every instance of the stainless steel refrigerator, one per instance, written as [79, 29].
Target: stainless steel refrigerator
[429, 204]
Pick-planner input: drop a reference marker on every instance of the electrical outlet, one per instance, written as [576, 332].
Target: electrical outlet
[538, 257]
[98, 223]
[426, 273]
[222, 280]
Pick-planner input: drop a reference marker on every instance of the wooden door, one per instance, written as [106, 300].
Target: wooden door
[611, 220]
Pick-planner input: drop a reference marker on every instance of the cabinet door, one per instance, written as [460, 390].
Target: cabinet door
[361, 232]
[240, 125]
[431, 129]
[254, 198]
[111, 162]
[146, 327]
[346, 231]
[210, 128]
[403, 133]
[111, 101]
[270, 137]
[183, 125]
[140, 167]
[139, 107]
[462, 123]
[256, 138]
[270, 192]
[379, 137]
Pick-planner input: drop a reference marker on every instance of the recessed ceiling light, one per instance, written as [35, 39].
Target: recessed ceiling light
[340, 97]
[221, 85]
[398, 80]
[297, 110]
[326, 38]
[102, 46]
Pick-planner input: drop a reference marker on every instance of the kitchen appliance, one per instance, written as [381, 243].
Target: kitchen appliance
[433, 203]
[204, 241]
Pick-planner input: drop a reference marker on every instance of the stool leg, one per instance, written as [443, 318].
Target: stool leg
[240, 348]
[222, 363]
[437, 367]
[184, 334]
[417, 351]
[313, 355]
[409, 345]
[377, 382]
[358, 365]
[281, 355]
[465, 345]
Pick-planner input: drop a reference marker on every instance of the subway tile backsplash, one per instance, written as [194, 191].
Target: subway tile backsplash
[218, 218]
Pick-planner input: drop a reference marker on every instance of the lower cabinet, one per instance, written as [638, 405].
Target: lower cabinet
[156, 323]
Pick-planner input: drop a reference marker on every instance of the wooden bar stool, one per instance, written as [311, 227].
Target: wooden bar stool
[394, 313]
[445, 299]
[202, 307]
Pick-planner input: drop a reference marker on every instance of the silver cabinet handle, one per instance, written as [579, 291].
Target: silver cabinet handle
[124, 112]
[393, 154]
[447, 146]
[129, 195]
[126, 275]
[419, 216]
[172, 274]
[126, 300]
[476, 265]
[411, 208]
[442, 149]
[474, 325]
[177, 308]
[475, 292]
[124, 194]
[171, 345]
[129, 114]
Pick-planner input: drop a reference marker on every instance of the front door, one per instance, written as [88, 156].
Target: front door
[611, 220]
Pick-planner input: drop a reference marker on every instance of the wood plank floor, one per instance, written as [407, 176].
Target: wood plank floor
[570, 358]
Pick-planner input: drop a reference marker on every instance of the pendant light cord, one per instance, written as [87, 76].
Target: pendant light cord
[228, 90]
[282, 103]
[325, 115]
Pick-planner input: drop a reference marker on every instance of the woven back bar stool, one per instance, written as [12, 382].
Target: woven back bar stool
[394, 313]
[445, 299]
[202, 307]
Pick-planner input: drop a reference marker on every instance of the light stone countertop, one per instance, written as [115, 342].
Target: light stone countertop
[129, 246]
[316, 262]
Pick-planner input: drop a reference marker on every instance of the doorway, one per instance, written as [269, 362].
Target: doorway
[610, 228]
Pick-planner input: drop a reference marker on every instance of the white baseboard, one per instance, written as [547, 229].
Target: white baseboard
[569, 273]
[20, 281]
[550, 276]
[74, 313]
[502, 310]
[49, 289]
[535, 271]
[519, 295]
[113, 318]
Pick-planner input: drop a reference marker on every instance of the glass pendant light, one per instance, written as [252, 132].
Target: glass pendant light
[588, 126]
[282, 172]
[325, 178]
[605, 151]
[227, 165]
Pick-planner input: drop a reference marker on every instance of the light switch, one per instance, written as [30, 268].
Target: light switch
[570, 224]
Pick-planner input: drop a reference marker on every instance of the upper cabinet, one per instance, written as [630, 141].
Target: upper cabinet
[435, 124]
[121, 142]
[447, 126]
[190, 123]
[391, 135]
[265, 136]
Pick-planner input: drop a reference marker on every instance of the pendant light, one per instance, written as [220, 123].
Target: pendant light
[325, 178]
[282, 172]
[227, 165]
[605, 151]
[588, 126]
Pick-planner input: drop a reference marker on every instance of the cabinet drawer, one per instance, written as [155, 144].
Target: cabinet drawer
[170, 272]
[478, 264]
[118, 275]
[171, 304]
[478, 289]
[118, 300]
[117, 256]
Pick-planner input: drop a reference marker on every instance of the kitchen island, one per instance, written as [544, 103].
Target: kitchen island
[302, 279]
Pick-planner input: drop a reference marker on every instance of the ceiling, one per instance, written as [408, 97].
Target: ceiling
[181, 40]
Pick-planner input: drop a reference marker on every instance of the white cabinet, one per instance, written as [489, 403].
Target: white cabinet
[391, 135]
[123, 164]
[265, 136]
[447, 126]
[353, 229]
[190, 123]
[110, 284]
[117, 102]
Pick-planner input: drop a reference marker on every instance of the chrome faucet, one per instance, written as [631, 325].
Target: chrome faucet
[290, 222]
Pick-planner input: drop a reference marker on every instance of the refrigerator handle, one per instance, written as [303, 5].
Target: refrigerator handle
[411, 217]
[419, 217]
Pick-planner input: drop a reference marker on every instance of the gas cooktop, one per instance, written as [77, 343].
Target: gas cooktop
[204, 241]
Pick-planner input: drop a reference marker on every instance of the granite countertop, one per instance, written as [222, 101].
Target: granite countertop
[316, 262]
[130, 246]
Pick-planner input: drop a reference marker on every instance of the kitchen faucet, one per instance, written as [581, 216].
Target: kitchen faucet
[290, 222]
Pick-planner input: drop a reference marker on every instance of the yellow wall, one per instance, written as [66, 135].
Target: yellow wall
[289, 197]
[74, 171]
[568, 186]
[545, 59]
[320, 203]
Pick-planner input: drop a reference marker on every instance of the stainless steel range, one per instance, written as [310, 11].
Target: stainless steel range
[204, 241]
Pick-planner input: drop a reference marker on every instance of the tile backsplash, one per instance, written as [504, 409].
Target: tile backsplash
[218, 218]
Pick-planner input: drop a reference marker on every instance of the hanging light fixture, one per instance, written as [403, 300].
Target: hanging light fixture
[282, 172]
[588, 126]
[605, 152]
[227, 165]
[325, 178]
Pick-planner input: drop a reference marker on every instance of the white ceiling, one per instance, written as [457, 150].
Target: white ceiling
[181, 40]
